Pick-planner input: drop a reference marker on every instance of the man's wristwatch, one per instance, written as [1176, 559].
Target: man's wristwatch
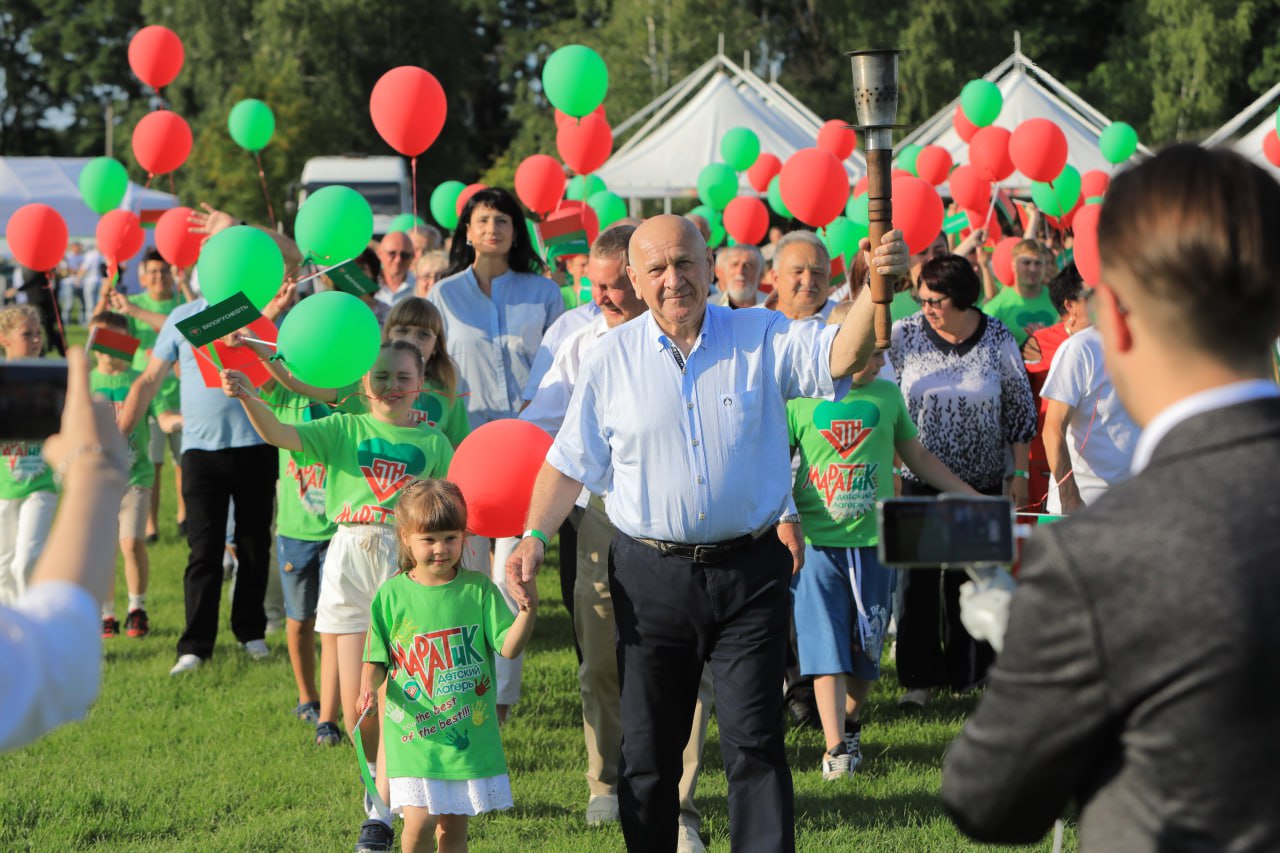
[537, 534]
[793, 518]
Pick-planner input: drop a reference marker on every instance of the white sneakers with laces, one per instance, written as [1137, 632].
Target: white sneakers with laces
[602, 809]
[257, 649]
[186, 663]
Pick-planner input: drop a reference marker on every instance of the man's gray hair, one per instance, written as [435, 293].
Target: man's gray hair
[749, 248]
[613, 242]
[806, 237]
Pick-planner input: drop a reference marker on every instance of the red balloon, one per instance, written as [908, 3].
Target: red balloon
[989, 153]
[1094, 183]
[37, 236]
[119, 235]
[1069, 217]
[917, 212]
[155, 55]
[1271, 147]
[901, 173]
[408, 107]
[466, 194]
[590, 221]
[994, 231]
[861, 186]
[540, 182]
[969, 188]
[746, 219]
[762, 171]
[814, 186]
[1087, 258]
[561, 118]
[586, 145]
[837, 138]
[495, 467]
[1002, 260]
[933, 163]
[1039, 149]
[174, 239]
[965, 128]
[161, 142]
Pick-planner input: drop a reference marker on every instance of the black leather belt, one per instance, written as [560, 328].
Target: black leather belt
[716, 552]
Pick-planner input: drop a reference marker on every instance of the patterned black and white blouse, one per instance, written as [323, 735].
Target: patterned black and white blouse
[970, 401]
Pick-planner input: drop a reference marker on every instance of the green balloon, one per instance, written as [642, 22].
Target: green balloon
[1058, 199]
[444, 203]
[715, 219]
[103, 183]
[334, 225]
[405, 222]
[857, 210]
[717, 185]
[251, 123]
[575, 80]
[609, 207]
[907, 158]
[842, 236]
[775, 199]
[981, 101]
[583, 187]
[329, 339]
[240, 259]
[1118, 142]
[739, 148]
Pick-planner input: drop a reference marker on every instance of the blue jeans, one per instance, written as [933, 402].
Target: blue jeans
[301, 563]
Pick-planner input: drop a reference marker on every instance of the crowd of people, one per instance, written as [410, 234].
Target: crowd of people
[723, 431]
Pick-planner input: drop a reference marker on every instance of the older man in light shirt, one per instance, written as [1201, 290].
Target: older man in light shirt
[395, 253]
[738, 271]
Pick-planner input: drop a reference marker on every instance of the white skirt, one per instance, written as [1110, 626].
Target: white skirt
[449, 796]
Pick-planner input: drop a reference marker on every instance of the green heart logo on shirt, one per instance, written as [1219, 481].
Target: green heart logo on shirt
[1026, 318]
[388, 467]
[846, 424]
[433, 407]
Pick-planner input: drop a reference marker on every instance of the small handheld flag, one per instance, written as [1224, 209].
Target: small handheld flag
[112, 343]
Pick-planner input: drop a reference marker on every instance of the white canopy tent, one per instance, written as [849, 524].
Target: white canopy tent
[1259, 117]
[680, 131]
[54, 181]
[1029, 92]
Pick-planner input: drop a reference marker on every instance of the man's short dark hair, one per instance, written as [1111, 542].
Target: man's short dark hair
[154, 255]
[952, 276]
[1066, 286]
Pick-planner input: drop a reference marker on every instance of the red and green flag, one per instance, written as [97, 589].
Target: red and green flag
[113, 343]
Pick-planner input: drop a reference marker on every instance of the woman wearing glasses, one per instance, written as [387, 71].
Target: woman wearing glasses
[967, 392]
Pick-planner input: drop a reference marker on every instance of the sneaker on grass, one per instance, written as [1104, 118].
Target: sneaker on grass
[186, 663]
[602, 809]
[110, 627]
[308, 712]
[836, 763]
[853, 743]
[328, 734]
[136, 624]
[257, 649]
[375, 837]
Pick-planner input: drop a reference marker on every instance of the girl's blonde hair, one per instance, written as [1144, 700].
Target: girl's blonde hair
[427, 506]
[418, 312]
[15, 315]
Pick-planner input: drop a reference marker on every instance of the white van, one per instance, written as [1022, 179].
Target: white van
[383, 181]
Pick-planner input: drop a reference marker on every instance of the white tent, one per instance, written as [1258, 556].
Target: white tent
[1260, 117]
[1029, 92]
[682, 129]
[53, 181]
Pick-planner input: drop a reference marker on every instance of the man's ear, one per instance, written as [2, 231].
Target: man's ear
[635, 287]
[1114, 317]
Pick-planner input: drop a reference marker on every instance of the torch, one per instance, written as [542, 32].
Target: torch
[875, 96]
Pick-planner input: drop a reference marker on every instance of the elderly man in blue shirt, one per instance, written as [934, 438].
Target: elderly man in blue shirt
[680, 417]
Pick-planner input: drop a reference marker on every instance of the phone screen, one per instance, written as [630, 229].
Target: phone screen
[32, 392]
[946, 531]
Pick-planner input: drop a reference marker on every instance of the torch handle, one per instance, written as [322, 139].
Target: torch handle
[880, 218]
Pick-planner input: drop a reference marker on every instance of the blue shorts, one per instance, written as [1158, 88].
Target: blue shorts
[301, 562]
[827, 618]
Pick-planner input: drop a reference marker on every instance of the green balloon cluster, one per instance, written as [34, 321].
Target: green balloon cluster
[1060, 198]
[444, 203]
[1118, 142]
[251, 124]
[775, 198]
[739, 148]
[405, 222]
[329, 339]
[981, 101]
[575, 80]
[334, 224]
[714, 219]
[842, 236]
[609, 207]
[103, 183]
[907, 158]
[858, 210]
[240, 259]
[717, 185]
[583, 187]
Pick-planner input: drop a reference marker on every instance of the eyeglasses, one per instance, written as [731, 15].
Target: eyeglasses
[932, 303]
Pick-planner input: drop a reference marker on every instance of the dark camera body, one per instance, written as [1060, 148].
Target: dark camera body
[32, 393]
[953, 532]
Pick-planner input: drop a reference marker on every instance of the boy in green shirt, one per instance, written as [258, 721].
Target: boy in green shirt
[1025, 308]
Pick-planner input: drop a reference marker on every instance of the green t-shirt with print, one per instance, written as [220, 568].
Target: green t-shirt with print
[23, 471]
[444, 411]
[438, 644]
[846, 461]
[1009, 307]
[115, 387]
[169, 397]
[368, 462]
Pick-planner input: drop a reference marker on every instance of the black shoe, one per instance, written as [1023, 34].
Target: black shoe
[136, 624]
[153, 538]
[375, 837]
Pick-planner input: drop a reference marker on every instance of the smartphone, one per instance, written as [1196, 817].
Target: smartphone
[32, 391]
[951, 532]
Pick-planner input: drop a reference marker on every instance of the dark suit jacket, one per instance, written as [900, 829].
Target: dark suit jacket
[1141, 668]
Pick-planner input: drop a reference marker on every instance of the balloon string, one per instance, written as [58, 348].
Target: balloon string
[147, 185]
[57, 315]
[262, 177]
[413, 169]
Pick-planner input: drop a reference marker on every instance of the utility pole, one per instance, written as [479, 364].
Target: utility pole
[111, 124]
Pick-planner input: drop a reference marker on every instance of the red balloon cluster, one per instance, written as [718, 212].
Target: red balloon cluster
[161, 142]
[970, 189]
[1093, 184]
[466, 194]
[1271, 147]
[989, 153]
[156, 55]
[408, 108]
[1039, 149]
[933, 164]
[837, 138]
[917, 212]
[746, 219]
[814, 186]
[762, 171]
[497, 505]
[965, 128]
[540, 183]
[119, 236]
[174, 239]
[564, 118]
[37, 236]
[585, 146]
[1086, 255]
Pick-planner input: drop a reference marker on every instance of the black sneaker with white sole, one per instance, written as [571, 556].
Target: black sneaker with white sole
[375, 837]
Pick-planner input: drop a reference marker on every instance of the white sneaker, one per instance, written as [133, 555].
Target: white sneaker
[602, 809]
[186, 663]
[688, 840]
[257, 649]
[836, 766]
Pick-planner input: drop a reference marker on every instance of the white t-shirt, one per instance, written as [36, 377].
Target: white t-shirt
[1101, 435]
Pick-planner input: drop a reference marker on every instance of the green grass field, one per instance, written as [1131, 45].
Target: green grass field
[214, 760]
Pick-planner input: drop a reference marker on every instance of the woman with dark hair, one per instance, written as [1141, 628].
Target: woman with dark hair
[966, 390]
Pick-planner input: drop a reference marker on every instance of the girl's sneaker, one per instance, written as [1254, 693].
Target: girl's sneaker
[136, 624]
[375, 837]
[853, 744]
[836, 763]
[110, 627]
[308, 712]
[328, 734]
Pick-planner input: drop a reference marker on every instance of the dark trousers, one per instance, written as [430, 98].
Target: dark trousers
[569, 565]
[210, 480]
[672, 616]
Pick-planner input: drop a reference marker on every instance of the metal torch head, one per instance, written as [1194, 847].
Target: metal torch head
[875, 87]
